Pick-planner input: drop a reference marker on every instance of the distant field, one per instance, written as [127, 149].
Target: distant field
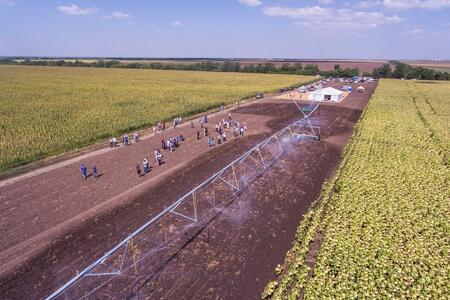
[381, 228]
[443, 66]
[49, 110]
[327, 65]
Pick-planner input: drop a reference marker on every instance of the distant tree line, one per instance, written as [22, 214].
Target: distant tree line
[395, 69]
[211, 66]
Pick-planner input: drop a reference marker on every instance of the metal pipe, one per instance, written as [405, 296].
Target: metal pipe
[170, 208]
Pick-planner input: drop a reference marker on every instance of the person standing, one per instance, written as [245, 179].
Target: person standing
[83, 170]
[229, 116]
[138, 170]
[158, 159]
[198, 134]
[146, 165]
[94, 170]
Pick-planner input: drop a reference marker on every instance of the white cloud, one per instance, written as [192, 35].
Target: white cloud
[117, 15]
[177, 24]
[408, 4]
[330, 20]
[251, 2]
[326, 1]
[368, 4]
[297, 13]
[416, 32]
[75, 10]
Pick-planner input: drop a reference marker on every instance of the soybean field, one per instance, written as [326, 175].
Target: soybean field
[49, 110]
[381, 228]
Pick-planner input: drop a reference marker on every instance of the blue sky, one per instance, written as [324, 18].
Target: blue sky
[371, 29]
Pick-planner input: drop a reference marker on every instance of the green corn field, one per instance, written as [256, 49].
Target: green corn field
[48, 110]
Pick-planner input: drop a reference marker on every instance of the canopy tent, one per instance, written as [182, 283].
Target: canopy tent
[360, 89]
[326, 94]
[302, 89]
[347, 88]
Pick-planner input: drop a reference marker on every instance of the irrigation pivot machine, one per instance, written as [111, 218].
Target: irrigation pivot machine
[146, 250]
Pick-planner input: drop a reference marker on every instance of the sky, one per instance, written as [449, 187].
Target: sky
[333, 29]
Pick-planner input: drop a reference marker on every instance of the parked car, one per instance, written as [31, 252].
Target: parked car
[259, 96]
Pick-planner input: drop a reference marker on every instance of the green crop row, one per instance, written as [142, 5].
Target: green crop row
[49, 110]
[384, 218]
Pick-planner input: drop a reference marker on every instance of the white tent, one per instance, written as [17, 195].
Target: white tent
[302, 89]
[360, 89]
[327, 94]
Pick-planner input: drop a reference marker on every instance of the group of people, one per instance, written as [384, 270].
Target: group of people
[171, 143]
[146, 163]
[84, 170]
[239, 129]
[125, 140]
[176, 122]
[160, 126]
[203, 120]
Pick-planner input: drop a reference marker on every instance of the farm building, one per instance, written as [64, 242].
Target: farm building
[326, 94]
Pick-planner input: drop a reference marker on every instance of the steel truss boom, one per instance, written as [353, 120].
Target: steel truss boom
[260, 161]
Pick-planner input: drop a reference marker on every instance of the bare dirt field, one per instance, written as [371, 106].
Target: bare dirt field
[327, 65]
[429, 63]
[324, 65]
[55, 223]
[443, 66]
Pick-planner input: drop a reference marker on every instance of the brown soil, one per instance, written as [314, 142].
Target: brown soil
[55, 223]
[328, 65]
[324, 65]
